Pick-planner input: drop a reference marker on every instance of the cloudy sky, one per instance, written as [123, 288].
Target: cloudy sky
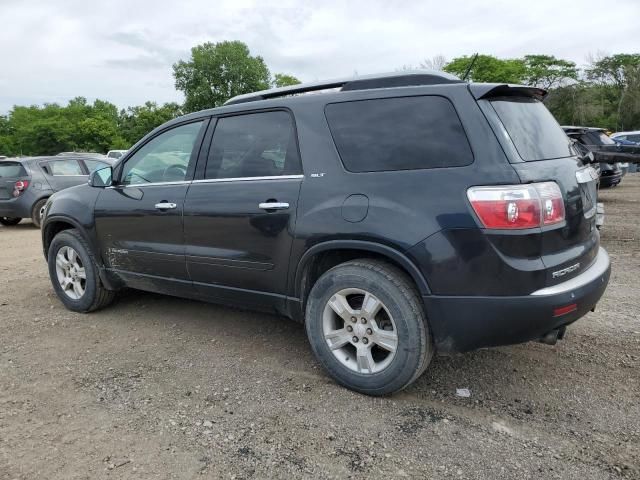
[122, 50]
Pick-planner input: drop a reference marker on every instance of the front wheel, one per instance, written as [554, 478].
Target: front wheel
[10, 221]
[367, 327]
[74, 273]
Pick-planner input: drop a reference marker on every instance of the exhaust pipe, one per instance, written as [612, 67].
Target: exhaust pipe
[553, 336]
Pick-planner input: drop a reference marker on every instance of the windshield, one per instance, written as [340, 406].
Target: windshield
[533, 130]
[12, 170]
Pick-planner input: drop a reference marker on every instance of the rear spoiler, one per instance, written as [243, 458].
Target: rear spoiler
[489, 90]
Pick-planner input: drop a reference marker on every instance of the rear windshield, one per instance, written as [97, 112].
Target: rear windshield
[12, 170]
[533, 130]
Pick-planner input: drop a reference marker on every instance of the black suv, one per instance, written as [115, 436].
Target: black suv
[395, 215]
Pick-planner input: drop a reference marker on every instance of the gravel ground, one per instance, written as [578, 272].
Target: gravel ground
[159, 387]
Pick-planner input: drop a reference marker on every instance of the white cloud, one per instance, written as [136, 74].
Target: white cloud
[122, 50]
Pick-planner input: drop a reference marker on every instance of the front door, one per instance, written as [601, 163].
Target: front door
[139, 219]
[239, 218]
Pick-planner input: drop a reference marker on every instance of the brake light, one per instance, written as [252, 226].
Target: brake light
[518, 206]
[19, 187]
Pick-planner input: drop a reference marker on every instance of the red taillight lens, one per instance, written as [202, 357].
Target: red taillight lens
[19, 187]
[518, 206]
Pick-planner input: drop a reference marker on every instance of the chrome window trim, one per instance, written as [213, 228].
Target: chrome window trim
[211, 180]
[150, 184]
[597, 268]
[249, 179]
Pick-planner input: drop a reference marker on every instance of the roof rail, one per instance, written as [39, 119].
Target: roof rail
[364, 82]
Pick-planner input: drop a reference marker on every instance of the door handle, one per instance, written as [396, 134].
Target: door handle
[165, 205]
[273, 205]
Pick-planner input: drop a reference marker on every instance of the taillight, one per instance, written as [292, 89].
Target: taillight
[19, 187]
[518, 206]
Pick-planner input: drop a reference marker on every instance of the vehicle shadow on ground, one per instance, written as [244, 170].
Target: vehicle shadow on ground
[23, 225]
[494, 372]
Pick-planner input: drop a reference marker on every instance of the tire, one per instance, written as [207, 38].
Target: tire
[401, 312]
[10, 221]
[36, 212]
[94, 296]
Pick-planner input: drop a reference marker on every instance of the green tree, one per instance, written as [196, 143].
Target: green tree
[218, 71]
[136, 122]
[613, 69]
[488, 68]
[547, 71]
[284, 80]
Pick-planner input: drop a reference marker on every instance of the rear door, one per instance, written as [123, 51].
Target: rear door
[540, 151]
[239, 217]
[64, 173]
[139, 219]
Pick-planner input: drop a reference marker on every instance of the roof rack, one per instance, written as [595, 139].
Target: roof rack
[364, 82]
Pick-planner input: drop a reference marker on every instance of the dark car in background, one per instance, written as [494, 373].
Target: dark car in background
[396, 216]
[27, 183]
[610, 155]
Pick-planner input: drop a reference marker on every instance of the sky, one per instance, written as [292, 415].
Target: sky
[122, 50]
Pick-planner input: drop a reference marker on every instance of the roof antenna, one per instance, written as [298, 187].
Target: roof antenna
[471, 64]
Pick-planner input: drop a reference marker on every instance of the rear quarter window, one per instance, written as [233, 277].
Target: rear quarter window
[403, 133]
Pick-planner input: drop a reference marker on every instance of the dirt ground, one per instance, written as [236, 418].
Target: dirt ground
[159, 387]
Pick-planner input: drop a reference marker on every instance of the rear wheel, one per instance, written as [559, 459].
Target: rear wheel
[367, 327]
[37, 211]
[74, 273]
[10, 221]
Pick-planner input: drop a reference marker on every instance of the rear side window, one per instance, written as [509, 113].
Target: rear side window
[12, 170]
[65, 167]
[253, 145]
[405, 133]
[533, 130]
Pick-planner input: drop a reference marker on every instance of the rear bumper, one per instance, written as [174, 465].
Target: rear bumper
[16, 207]
[461, 324]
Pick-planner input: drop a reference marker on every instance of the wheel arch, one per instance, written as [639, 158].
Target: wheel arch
[55, 225]
[325, 255]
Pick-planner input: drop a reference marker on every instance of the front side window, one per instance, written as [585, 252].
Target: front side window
[164, 158]
[65, 167]
[404, 133]
[253, 145]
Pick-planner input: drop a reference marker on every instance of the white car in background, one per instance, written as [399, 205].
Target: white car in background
[629, 136]
[115, 154]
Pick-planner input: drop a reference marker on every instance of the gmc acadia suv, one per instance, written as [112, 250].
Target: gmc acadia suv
[395, 215]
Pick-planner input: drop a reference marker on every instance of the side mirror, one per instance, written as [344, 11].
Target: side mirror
[101, 178]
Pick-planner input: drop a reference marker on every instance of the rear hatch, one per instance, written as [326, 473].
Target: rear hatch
[540, 151]
[10, 173]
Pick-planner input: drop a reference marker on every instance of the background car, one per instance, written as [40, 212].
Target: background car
[27, 183]
[116, 154]
[633, 137]
[81, 154]
[605, 150]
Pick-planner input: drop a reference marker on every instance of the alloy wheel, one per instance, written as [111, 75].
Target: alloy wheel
[71, 274]
[360, 331]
